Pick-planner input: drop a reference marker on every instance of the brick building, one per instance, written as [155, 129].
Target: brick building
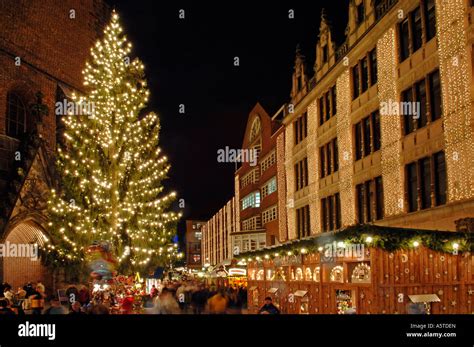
[257, 185]
[193, 243]
[43, 49]
[379, 136]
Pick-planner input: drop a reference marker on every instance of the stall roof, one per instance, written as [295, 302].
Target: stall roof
[273, 290]
[253, 288]
[424, 298]
[301, 293]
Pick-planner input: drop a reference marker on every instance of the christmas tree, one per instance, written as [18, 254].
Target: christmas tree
[111, 168]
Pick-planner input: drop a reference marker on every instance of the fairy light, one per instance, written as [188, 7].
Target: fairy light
[113, 164]
[390, 125]
[290, 181]
[313, 162]
[454, 56]
[281, 182]
[344, 136]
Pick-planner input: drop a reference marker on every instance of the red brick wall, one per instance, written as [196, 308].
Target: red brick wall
[52, 48]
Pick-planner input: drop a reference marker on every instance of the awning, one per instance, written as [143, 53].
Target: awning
[301, 293]
[424, 298]
[253, 288]
[273, 290]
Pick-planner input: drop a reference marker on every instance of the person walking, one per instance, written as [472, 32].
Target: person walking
[217, 304]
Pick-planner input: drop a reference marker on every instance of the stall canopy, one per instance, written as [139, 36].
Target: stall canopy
[424, 298]
[301, 293]
[273, 290]
[253, 288]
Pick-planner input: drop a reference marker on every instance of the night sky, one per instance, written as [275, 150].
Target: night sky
[191, 62]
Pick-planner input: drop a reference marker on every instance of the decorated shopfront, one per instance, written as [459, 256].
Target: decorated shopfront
[366, 269]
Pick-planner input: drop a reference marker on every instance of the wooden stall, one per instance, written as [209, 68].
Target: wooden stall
[373, 281]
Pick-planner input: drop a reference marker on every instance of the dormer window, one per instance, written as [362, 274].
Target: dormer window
[360, 13]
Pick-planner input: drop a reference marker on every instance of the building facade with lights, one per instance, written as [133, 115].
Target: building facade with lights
[216, 236]
[193, 244]
[34, 75]
[381, 133]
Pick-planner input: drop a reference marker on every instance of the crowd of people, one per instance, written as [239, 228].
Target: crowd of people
[194, 297]
[172, 297]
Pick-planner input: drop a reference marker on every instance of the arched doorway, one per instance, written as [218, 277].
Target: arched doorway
[21, 261]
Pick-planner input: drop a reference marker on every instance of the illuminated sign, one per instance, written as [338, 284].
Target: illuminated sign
[237, 272]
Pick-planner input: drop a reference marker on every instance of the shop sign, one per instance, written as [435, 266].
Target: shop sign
[237, 272]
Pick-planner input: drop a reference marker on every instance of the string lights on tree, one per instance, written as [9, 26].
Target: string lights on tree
[111, 167]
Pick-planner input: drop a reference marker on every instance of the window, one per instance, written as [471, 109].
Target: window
[269, 214]
[321, 111]
[369, 197]
[355, 81]
[365, 74]
[252, 223]
[379, 210]
[303, 222]
[360, 13]
[411, 179]
[331, 213]
[376, 130]
[322, 161]
[416, 29]
[367, 135]
[328, 157]
[435, 96]
[251, 200]
[250, 178]
[301, 174]
[327, 105]
[301, 128]
[358, 140]
[333, 100]
[430, 17]
[360, 203]
[269, 187]
[404, 40]
[373, 66]
[429, 102]
[408, 121]
[440, 178]
[426, 182]
[420, 97]
[425, 178]
[16, 116]
[269, 160]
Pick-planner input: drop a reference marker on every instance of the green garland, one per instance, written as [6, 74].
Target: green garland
[386, 238]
